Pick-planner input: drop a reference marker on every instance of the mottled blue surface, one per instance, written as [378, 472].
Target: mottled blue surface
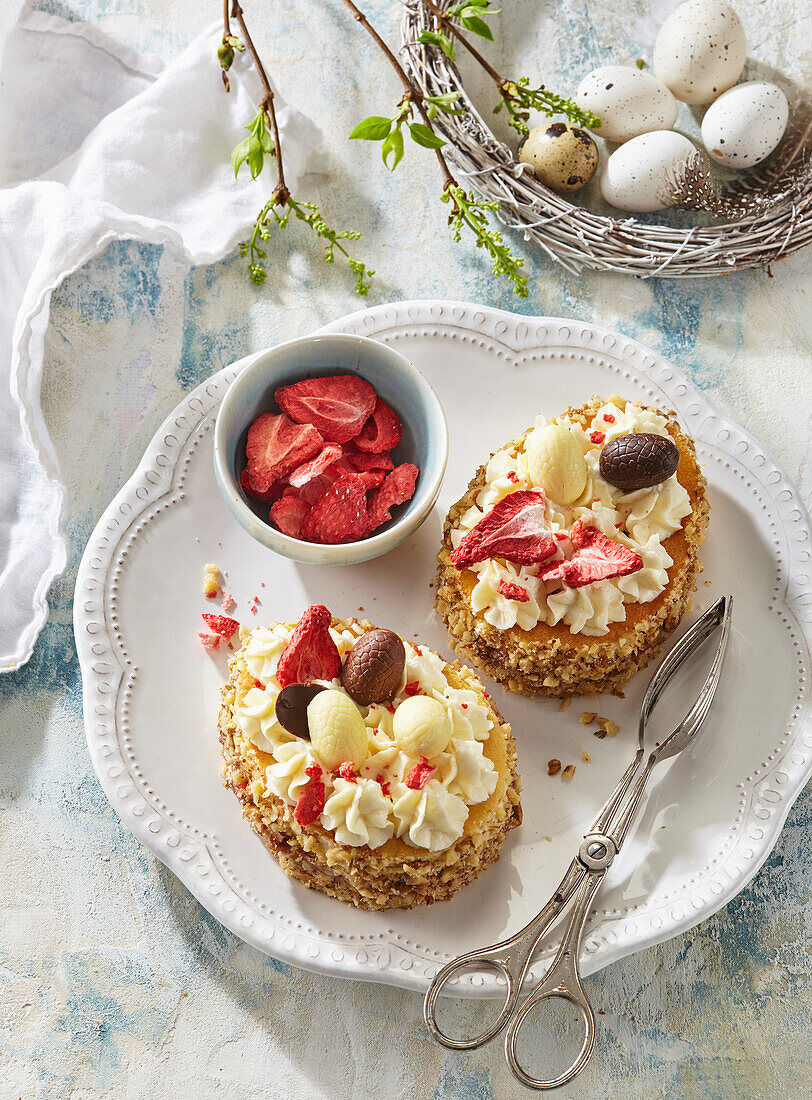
[114, 982]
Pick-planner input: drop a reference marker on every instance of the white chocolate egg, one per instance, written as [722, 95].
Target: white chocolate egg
[700, 50]
[421, 726]
[637, 174]
[629, 101]
[563, 157]
[745, 124]
[556, 462]
[337, 730]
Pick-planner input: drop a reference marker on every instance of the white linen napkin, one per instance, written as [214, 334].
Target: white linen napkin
[98, 143]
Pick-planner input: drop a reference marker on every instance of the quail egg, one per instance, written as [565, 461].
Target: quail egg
[563, 157]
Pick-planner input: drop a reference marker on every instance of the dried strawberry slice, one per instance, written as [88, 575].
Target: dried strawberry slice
[210, 641]
[512, 591]
[220, 624]
[372, 479]
[311, 653]
[381, 432]
[515, 529]
[396, 489]
[338, 406]
[420, 774]
[340, 514]
[275, 446]
[250, 489]
[288, 514]
[596, 558]
[311, 801]
[360, 460]
[330, 453]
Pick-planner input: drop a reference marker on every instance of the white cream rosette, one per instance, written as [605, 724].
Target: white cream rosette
[287, 777]
[429, 818]
[358, 813]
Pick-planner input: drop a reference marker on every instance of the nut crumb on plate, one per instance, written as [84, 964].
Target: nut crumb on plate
[609, 727]
[211, 580]
[568, 772]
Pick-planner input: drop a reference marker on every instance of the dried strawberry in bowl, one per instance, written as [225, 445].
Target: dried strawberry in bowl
[330, 449]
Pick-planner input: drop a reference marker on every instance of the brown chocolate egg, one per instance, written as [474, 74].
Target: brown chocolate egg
[373, 667]
[291, 707]
[563, 157]
[639, 460]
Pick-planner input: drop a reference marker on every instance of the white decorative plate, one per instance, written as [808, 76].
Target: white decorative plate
[151, 691]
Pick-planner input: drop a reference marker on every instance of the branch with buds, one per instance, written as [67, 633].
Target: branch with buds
[516, 97]
[263, 141]
[412, 118]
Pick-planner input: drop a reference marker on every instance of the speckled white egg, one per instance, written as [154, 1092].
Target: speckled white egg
[563, 157]
[629, 101]
[700, 50]
[637, 174]
[745, 124]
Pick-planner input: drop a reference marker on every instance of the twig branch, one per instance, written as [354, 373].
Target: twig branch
[516, 96]
[412, 93]
[449, 24]
[281, 192]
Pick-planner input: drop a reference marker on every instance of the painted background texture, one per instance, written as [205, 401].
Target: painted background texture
[113, 981]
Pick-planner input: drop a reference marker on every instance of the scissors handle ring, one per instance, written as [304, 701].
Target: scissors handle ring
[576, 998]
[481, 959]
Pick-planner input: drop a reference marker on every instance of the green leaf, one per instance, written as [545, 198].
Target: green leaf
[424, 136]
[393, 144]
[441, 100]
[475, 25]
[239, 153]
[441, 41]
[640, 63]
[471, 10]
[255, 158]
[374, 128]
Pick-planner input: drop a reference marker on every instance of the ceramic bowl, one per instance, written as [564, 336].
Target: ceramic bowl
[396, 380]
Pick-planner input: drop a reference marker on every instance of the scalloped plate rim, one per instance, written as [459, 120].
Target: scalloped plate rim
[376, 321]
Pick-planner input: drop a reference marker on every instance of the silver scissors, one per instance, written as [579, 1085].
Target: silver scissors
[513, 957]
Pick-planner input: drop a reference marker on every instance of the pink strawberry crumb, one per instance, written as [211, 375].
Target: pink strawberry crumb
[420, 774]
[345, 770]
[412, 688]
[208, 641]
[609, 418]
[597, 437]
[311, 800]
